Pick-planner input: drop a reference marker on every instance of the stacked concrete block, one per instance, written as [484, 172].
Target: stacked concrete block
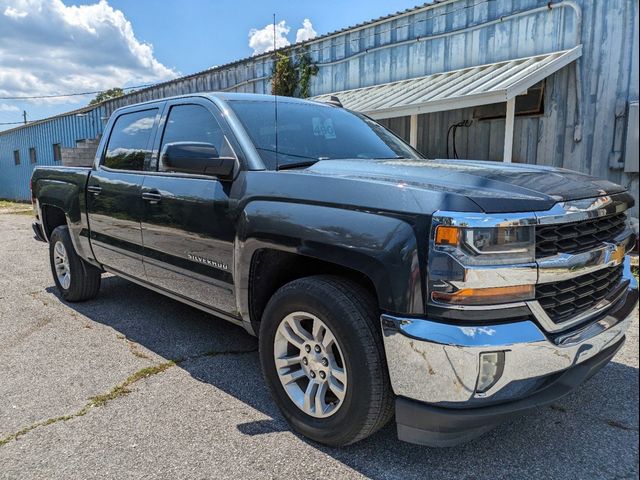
[82, 155]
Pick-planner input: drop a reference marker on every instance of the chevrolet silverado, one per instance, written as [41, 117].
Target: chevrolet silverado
[454, 294]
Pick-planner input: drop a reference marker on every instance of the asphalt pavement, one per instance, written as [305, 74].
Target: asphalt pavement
[136, 385]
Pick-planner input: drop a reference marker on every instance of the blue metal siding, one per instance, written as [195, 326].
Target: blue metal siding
[65, 130]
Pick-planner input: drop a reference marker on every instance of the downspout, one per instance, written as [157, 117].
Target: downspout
[413, 131]
[577, 128]
[509, 123]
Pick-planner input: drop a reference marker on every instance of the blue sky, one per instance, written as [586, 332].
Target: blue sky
[54, 46]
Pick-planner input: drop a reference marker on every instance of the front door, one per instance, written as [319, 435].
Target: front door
[114, 193]
[187, 229]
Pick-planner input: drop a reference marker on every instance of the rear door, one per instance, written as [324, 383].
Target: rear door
[187, 227]
[114, 192]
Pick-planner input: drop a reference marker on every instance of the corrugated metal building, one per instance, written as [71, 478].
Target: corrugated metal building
[42, 143]
[459, 55]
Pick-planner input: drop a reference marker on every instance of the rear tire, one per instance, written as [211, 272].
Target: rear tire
[319, 308]
[76, 279]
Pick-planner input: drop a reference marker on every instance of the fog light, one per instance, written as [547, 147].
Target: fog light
[491, 368]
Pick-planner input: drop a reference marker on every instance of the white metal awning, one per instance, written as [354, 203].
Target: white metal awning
[469, 87]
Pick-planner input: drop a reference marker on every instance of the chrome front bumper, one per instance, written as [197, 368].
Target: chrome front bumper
[438, 363]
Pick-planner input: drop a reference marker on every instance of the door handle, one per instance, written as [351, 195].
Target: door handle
[152, 197]
[95, 189]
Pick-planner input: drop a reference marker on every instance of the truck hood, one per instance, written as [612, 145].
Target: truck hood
[494, 186]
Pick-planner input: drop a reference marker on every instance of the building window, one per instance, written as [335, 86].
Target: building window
[529, 104]
[16, 157]
[57, 153]
[32, 155]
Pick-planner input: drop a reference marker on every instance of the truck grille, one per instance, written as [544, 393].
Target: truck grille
[577, 236]
[569, 298]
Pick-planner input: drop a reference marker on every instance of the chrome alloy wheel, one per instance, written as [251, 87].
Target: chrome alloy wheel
[310, 364]
[61, 263]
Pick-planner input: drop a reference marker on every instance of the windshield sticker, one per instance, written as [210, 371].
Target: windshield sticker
[323, 128]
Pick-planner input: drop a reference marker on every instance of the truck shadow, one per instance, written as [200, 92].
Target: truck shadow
[602, 417]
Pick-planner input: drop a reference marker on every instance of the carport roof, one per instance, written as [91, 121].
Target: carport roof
[468, 87]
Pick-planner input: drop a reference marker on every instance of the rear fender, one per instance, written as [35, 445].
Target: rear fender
[64, 189]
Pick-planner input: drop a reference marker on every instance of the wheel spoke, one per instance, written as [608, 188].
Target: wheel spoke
[291, 377]
[310, 396]
[292, 337]
[337, 388]
[328, 339]
[298, 329]
[320, 404]
[318, 331]
[339, 374]
[287, 361]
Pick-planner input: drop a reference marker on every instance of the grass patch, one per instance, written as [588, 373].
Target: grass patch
[123, 388]
[19, 208]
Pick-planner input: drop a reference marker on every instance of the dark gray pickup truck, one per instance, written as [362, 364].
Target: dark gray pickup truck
[453, 293]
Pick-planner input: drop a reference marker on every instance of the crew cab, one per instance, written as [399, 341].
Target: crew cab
[452, 293]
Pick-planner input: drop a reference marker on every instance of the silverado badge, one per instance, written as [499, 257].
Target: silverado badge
[208, 261]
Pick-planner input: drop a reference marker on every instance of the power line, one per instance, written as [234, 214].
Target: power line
[76, 94]
[24, 122]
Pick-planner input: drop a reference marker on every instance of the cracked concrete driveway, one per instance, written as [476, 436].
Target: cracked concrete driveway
[135, 385]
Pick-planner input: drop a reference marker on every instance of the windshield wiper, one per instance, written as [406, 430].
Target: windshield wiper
[306, 163]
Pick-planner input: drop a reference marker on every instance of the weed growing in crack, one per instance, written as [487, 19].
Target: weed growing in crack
[118, 391]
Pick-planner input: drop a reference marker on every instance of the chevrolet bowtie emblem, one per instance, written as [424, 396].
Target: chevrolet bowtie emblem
[618, 254]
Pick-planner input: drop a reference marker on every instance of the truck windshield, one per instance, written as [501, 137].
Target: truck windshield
[308, 132]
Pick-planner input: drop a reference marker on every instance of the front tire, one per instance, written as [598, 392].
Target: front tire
[76, 279]
[323, 360]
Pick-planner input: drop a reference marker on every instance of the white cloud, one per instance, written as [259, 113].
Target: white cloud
[261, 40]
[8, 108]
[13, 13]
[145, 123]
[306, 32]
[47, 47]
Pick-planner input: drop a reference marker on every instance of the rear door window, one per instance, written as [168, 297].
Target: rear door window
[129, 146]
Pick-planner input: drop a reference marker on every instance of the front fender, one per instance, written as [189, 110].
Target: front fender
[382, 248]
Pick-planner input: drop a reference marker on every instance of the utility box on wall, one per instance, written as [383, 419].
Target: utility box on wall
[631, 150]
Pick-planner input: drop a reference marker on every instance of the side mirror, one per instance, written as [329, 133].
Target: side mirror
[196, 158]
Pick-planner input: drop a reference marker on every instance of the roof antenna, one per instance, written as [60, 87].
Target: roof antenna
[335, 101]
[275, 90]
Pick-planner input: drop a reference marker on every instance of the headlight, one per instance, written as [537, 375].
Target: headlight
[470, 265]
[487, 245]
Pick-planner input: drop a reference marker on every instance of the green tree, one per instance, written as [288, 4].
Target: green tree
[290, 78]
[284, 78]
[106, 95]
